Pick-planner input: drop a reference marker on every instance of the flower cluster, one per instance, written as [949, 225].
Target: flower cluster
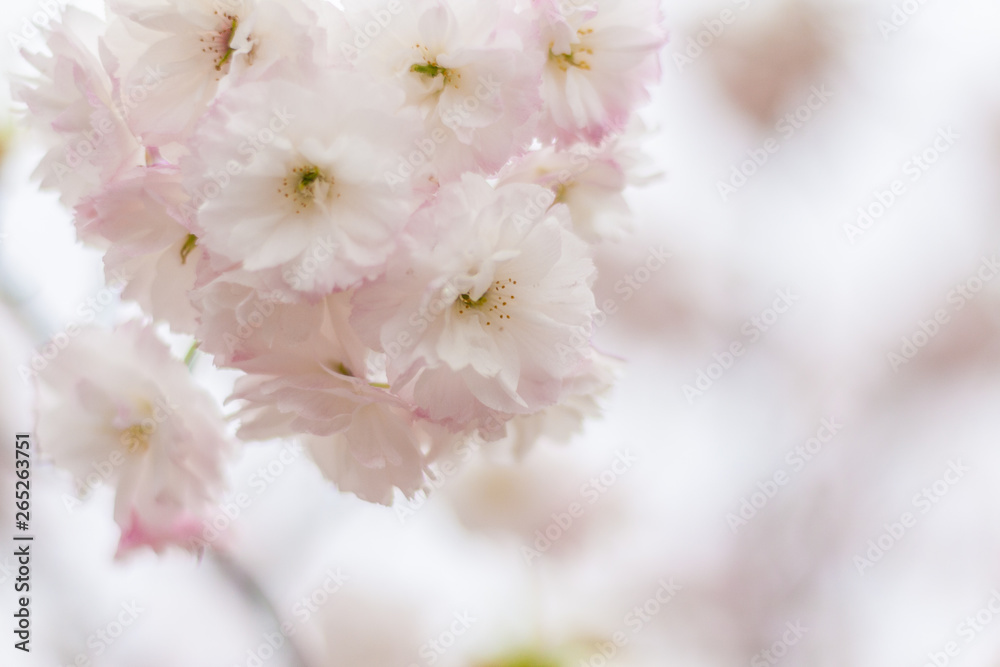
[381, 214]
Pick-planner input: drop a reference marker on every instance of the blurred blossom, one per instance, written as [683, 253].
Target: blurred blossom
[749, 417]
[767, 53]
[116, 408]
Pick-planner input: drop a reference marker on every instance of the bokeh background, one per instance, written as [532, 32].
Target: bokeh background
[829, 496]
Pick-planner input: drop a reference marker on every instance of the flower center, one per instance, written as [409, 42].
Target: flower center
[577, 53]
[229, 45]
[136, 438]
[305, 185]
[493, 305]
[561, 192]
[468, 302]
[220, 42]
[309, 176]
[430, 69]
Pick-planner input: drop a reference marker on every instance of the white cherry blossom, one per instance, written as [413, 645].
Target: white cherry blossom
[472, 312]
[118, 400]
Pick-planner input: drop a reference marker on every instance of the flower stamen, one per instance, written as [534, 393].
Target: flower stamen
[309, 176]
[307, 184]
[189, 244]
[493, 303]
[432, 70]
[229, 44]
[468, 301]
[137, 438]
[575, 56]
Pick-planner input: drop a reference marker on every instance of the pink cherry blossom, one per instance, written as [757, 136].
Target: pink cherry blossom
[279, 181]
[474, 312]
[75, 107]
[149, 248]
[466, 67]
[199, 46]
[119, 400]
[378, 219]
[601, 56]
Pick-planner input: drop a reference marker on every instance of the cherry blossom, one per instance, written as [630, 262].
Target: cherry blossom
[601, 57]
[277, 184]
[119, 400]
[75, 107]
[148, 245]
[377, 221]
[472, 312]
[466, 67]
